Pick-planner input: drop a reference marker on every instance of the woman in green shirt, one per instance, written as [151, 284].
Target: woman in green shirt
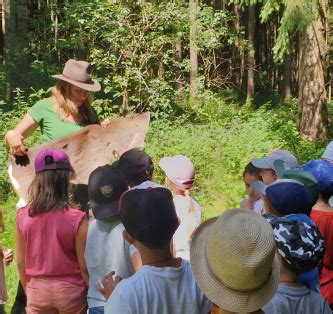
[65, 112]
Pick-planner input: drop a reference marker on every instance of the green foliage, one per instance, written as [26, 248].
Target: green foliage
[297, 15]
[8, 241]
[221, 146]
[131, 46]
[220, 137]
[10, 116]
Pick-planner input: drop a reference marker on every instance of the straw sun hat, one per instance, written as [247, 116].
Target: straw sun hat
[78, 73]
[233, 260]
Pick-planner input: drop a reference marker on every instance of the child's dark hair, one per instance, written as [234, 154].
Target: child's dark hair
[326, 195]
[138, 178]
[49, 190]
[251, 170]
[136, 165]
[290, 267]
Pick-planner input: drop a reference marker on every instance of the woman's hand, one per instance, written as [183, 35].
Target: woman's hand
[15, 143]
[15, 138]
[105, 122]
[108, 284]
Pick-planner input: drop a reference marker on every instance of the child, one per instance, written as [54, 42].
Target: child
[233, 261]
[136, 166]
[266, 164]
[322, 215]
[164, 284]
[6, 257]
[50, 240]
[180, 175]
[300, 248]
[295, 193]
[299, 191]
[105, 248]
[253, 200]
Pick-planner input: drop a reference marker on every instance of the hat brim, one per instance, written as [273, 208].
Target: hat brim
[235, 301]
[164, 164]
[328, 153]
[259, 187]
[262, 163]
[93, 87]
[105, 211]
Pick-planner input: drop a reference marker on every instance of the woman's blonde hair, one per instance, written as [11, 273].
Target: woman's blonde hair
[65, 106]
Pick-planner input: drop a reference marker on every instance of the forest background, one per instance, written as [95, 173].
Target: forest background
[225, 80]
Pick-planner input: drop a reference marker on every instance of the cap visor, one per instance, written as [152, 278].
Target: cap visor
[164, 164]
[222, 296]
[105, 211]
[261, 163]
[94, 87]
[279, 167]
[328, 153]
[259, 187]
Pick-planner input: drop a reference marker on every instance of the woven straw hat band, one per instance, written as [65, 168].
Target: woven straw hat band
[241, 262]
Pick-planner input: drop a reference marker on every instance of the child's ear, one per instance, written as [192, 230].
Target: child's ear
[128, 237]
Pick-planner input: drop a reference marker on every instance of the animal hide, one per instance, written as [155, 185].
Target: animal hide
[87, 149]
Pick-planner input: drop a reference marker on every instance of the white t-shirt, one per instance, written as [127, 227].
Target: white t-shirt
[258, 205]
[159, 290]
[189, 221]
[106, 251]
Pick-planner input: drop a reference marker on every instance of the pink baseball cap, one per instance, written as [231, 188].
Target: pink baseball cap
[179, 169]
[52, 159]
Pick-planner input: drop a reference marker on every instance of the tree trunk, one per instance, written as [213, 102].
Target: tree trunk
[312, 68]
[287, 73]
[251, 55]
[1, 30]
[193, 6]
[239, 45]
[330, 45]
[15, 29]
[179, 77]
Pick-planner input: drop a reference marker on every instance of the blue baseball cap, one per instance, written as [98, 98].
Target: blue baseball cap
[322, 170]
[287, 196]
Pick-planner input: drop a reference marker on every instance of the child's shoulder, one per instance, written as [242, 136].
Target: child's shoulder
[74, 211]
[109, 227]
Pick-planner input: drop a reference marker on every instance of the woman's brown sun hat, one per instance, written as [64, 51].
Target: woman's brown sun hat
[78, 73]
[233, 260]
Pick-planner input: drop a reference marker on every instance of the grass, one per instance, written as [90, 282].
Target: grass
[8, 241]
[219, 147]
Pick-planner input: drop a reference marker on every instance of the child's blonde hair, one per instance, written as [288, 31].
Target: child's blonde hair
[185, 192]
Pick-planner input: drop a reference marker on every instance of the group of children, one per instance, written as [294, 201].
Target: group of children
[143, 249]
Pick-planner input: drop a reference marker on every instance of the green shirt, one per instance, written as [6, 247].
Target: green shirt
[51, 124]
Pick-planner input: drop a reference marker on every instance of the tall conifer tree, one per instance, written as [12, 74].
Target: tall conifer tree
[307, 18]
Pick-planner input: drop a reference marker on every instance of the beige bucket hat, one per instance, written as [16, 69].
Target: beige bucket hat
[78, 73]
[233, 260]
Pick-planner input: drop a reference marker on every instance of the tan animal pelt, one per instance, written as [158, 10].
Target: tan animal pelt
[88, 148]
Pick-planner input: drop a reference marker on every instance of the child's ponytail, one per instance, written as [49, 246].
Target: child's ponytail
[190, 201]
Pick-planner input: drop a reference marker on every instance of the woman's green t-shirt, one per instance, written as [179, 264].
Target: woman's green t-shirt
[51, 124]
